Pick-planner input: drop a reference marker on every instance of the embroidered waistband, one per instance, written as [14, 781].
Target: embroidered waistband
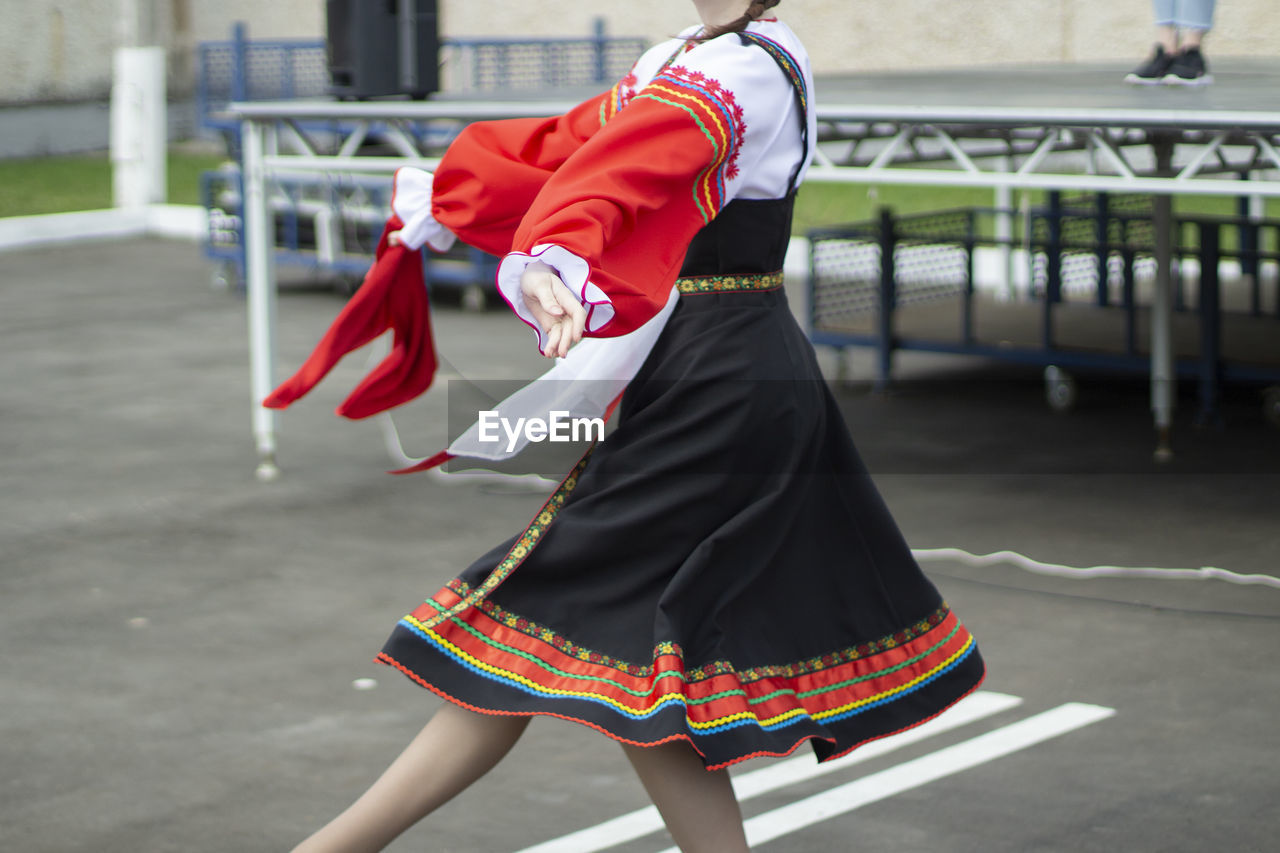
[729, 283]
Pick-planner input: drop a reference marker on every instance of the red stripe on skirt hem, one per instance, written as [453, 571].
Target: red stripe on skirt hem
[388, 660]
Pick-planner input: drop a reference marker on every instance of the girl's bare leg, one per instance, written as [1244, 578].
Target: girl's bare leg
[453, 750]
[699, 808]
[1192, 38]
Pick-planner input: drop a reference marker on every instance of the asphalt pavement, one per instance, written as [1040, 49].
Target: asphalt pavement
[187, 652]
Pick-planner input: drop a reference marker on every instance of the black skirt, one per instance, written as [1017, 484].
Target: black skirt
[719, 570]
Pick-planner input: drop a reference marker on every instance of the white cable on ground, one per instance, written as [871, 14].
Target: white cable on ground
[391, 438]
[1055, 570]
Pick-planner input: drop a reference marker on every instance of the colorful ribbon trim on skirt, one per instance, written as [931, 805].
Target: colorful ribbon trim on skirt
[523, 547]
[729, 283]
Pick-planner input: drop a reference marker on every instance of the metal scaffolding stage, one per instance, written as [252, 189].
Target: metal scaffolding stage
[1012, 127]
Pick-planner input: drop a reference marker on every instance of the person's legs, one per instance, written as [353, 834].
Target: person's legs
[1194, 18]
[699, 807]
[453, 750]
[1156, 66]
[1166, 24]
[1180, 29]
[1181, 24]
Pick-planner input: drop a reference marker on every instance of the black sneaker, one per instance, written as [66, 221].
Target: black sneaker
[1188, 69]
[1154, 70]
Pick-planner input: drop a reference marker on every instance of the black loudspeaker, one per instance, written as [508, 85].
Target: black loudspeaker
[383, 47]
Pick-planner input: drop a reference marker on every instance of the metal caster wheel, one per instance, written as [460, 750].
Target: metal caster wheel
[1059, 389]
[224, 277]
[267, 470]
[1164, 446]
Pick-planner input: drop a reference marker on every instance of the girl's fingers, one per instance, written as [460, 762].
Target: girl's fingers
[551, 349]
[575, 312]
[537, 283]
[562, 318]
[544, 320]
[546, 295]
[566, 337]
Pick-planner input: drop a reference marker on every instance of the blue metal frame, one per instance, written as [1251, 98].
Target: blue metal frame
[221, 194]
[1115, 233]
[242, 70]
[301, 67]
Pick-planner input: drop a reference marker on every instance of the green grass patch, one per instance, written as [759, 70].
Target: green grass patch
[824, 204]
[833, 204]
[36, 185]
[83, 182]
[184, 175]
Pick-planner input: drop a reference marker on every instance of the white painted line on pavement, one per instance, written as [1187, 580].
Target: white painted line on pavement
[970, 709]
[920, 771]
[640, 823]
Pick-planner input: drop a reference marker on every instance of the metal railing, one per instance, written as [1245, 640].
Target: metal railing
[284, 69]
[319, 217]
[494, 65]
[1086, 251]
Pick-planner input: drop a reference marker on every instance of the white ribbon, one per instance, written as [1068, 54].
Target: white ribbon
[582, 384]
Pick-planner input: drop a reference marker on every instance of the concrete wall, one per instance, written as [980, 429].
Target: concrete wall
[60, 50]
[858, 35]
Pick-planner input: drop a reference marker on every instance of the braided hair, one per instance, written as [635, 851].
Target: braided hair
[737, 25]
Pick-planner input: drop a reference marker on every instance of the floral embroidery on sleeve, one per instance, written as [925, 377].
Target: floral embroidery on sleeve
[719, 118]
[619, 96]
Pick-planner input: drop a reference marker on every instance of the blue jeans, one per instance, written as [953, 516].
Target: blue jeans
[1184, 14]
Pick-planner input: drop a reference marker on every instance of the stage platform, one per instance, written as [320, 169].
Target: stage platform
[1241, 84]
[1247, 86]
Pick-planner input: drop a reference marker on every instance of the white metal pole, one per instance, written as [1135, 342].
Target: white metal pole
[139, 136]
[1004, 228]
[1257, 208]
[1257, 213]
[139, 124]
[261, 291]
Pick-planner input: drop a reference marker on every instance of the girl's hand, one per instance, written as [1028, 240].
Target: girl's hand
[393, 239]
[554, 307]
